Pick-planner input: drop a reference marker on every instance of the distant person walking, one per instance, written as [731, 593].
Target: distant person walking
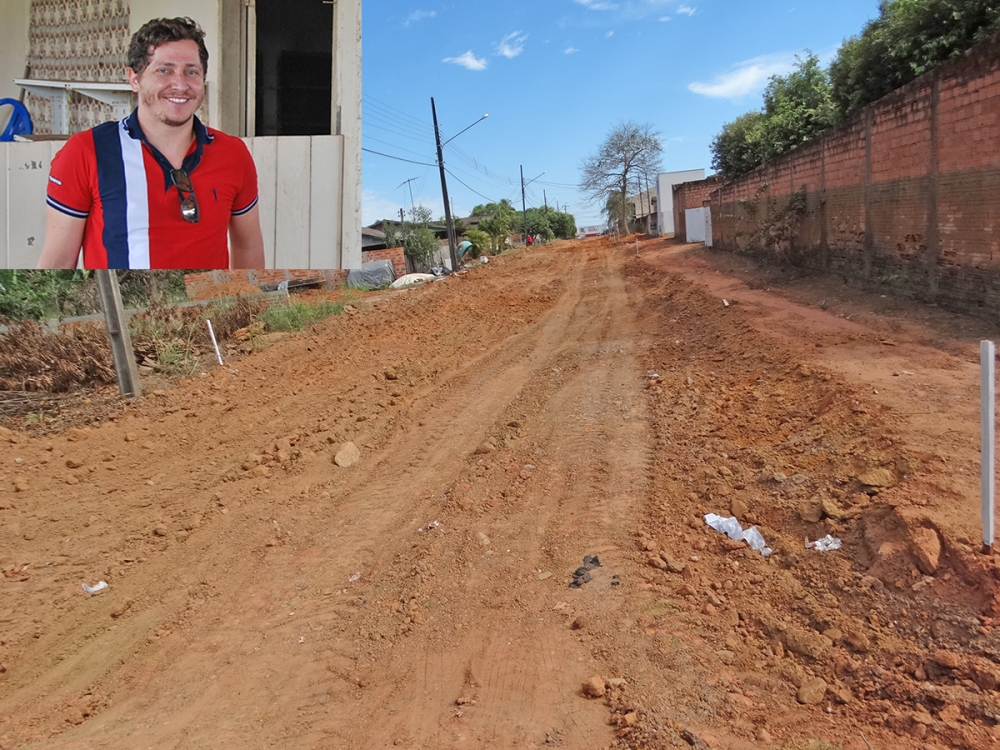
[157, 189]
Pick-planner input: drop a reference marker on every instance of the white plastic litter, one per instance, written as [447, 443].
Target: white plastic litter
[412, 278]
[99, 586]
[731, 528]
[725, 302]
[825, 544]
[354, 577]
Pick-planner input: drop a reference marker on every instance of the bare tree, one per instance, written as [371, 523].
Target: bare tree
[629, 152]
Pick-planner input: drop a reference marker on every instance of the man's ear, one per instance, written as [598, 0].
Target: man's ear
[133, 79]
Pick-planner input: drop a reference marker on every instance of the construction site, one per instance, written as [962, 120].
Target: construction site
[474, 514]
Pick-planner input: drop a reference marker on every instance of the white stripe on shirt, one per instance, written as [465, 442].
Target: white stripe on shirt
[137, 200]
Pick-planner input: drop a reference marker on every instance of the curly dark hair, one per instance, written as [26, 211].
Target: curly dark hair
[160, 31]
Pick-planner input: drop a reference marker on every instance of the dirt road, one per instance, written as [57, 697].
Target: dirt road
[576, 400]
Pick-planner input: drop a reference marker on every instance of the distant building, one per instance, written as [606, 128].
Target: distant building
[643, 208]
[665, 196]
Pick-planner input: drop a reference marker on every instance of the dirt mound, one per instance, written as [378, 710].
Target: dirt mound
[227, 289]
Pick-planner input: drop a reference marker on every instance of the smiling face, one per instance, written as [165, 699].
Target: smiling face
[172, 86]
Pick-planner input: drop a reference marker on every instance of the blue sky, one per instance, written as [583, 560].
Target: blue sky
[555, 76]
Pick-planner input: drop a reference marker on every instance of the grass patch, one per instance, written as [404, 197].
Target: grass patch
[294, 316]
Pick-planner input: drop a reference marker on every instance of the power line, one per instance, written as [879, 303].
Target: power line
[397, 158]
[472, 189]
[395, 127]
[373, 102]
[395, 145]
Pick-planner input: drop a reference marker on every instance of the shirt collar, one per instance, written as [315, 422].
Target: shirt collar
[201, 137]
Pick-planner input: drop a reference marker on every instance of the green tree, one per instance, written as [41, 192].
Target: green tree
[629, 153]
[498, 224]
[563, 224]
[737, 148]
[394, 233]
[534, 221]
[797, 108]
[419, 242]
[908, 38]
[480, 242]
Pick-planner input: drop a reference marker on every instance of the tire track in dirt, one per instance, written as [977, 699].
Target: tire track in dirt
[526, 691]
[447, 427]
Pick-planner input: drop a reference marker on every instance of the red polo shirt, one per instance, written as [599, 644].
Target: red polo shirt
[112, 177]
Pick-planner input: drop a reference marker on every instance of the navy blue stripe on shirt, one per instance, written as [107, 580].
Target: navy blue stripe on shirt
[245, 210]
[111, 187]
[69, 211]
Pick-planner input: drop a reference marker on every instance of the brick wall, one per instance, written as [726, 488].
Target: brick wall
[691, 195]
[904, 195]
[395, 254]
[196, 284]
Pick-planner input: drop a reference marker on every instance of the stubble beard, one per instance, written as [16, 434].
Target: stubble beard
[150, 101]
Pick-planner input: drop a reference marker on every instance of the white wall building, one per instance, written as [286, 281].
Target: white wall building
[665, 182]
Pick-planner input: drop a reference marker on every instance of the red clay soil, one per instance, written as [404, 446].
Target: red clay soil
[577, 399]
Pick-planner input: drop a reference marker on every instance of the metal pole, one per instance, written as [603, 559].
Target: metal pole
[987, 391]
[452, 245]
[126, 371]
[524, 210]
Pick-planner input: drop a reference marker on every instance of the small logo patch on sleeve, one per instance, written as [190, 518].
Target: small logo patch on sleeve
[53, 179]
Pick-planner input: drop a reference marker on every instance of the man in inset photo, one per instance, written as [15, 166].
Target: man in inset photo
[157, 189]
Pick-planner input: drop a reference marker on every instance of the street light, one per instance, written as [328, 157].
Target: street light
[524, 210]
[449, 222]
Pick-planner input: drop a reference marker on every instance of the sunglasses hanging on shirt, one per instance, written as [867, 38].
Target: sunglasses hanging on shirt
[189, 204]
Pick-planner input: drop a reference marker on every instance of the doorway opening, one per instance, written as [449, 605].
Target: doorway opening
[294, 67]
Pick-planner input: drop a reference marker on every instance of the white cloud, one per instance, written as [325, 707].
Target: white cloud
[747, 77]
[570, 50]
[596, 4]
[686, 10]
[609, 34]
[664, 18]
[468, 61]
[511, 45]
[419, 15]
[375, 207]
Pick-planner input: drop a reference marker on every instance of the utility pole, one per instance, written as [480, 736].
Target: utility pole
[406, 183]
[545, 198]
[126, 371]
[649, 205]
[452, 245]
[524, 210]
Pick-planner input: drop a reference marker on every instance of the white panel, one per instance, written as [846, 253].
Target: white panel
[694, 219]
[325, 202]
[347, 121]
[665, 195]
[265, 156]
[27, 176]
[292, 202]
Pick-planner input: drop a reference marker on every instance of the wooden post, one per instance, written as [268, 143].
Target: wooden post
[987, 391]
[121, 343]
